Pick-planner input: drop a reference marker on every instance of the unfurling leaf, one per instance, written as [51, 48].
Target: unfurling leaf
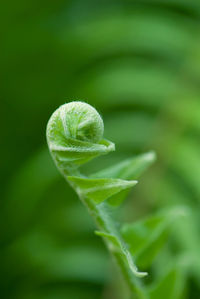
[100, 189]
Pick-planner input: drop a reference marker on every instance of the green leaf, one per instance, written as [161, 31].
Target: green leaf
[99, 189]
[78, 152]
[146, 237]
[128, 169]
[116, 245]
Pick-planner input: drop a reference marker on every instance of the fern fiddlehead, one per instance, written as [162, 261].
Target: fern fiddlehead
[75, 136]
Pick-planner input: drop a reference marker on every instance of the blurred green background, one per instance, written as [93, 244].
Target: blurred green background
[138, 64]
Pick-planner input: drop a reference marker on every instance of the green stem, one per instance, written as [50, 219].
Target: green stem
[105, 224]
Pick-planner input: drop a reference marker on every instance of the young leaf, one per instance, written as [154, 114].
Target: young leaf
[100, 189]
[118, 247]
[146, 237]
[128, 169]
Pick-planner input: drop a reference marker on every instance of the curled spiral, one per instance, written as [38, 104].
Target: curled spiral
[75, 135]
